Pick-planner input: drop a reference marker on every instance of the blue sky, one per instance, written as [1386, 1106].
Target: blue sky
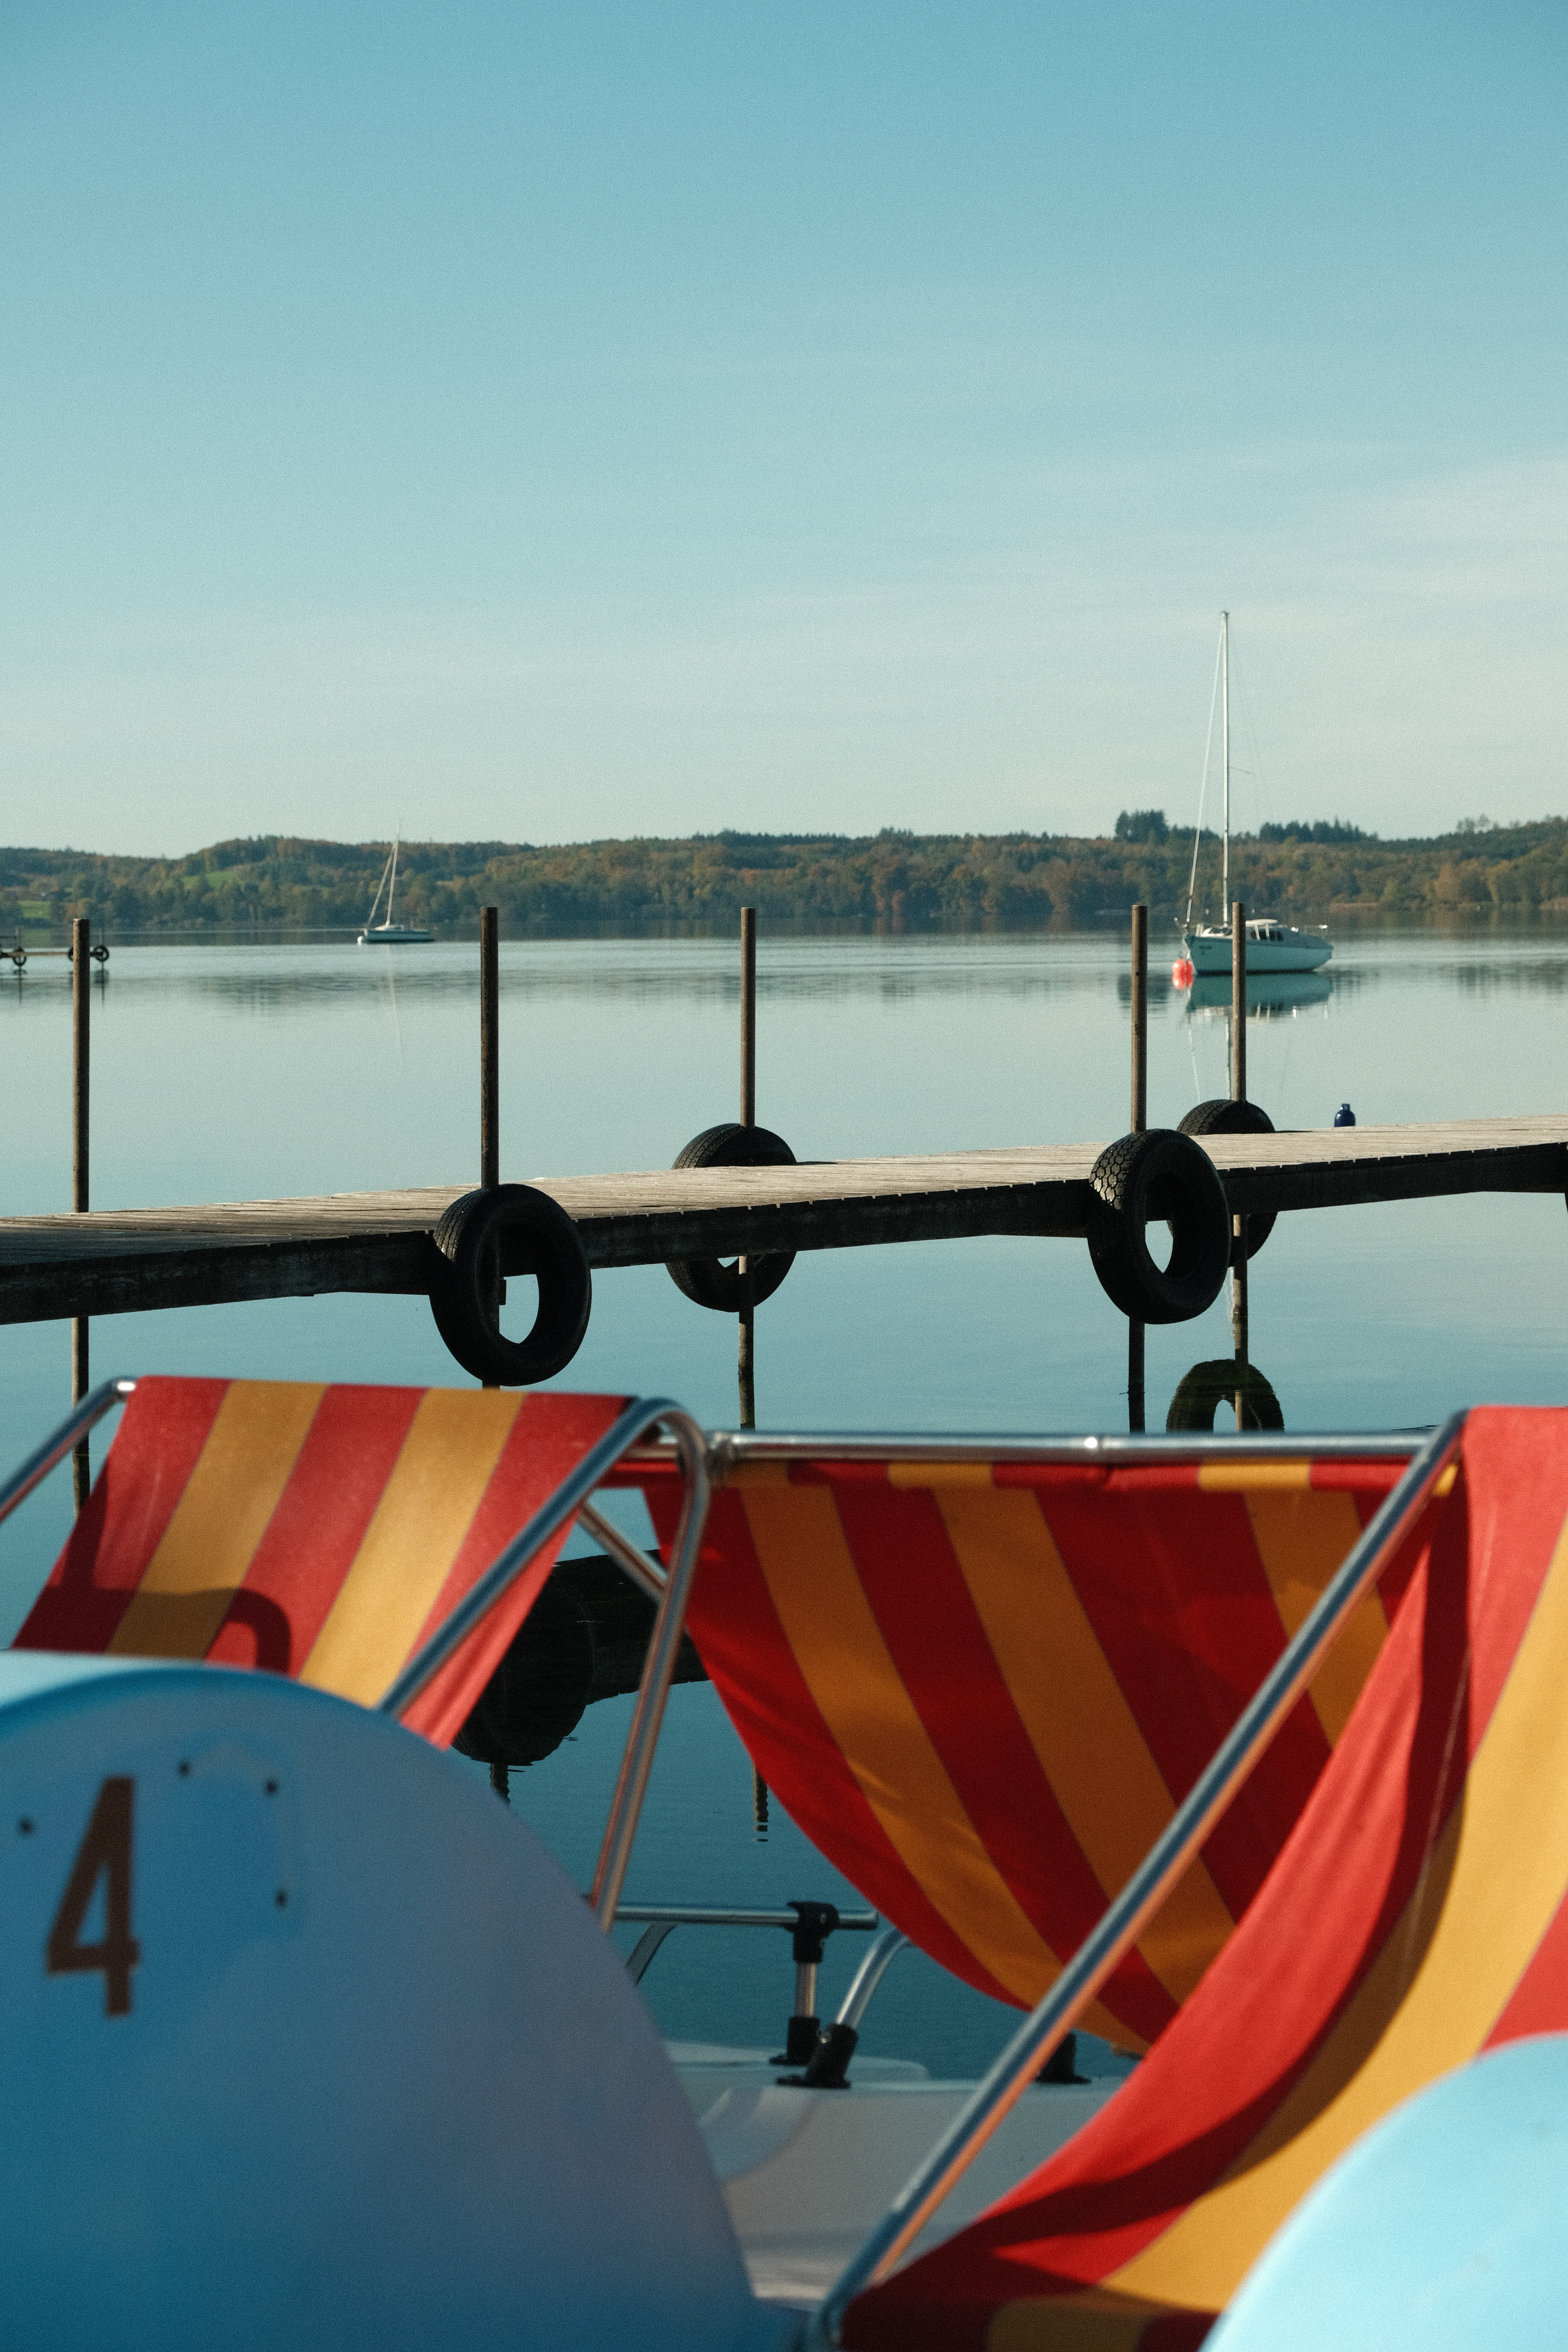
[544, 423]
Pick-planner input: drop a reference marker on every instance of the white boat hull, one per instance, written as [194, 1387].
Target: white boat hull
[1293, 951]
[393, 935]
[807, 2174]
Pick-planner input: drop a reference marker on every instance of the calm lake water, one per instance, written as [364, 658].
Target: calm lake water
[226, 1072]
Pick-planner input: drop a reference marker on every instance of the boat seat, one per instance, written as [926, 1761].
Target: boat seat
[317, 1530]
[982, 1685]
[1417, 1916]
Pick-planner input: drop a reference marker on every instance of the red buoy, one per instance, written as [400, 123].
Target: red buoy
[1181, 972]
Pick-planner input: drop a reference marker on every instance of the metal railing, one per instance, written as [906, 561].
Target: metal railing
[1124, 1919]
[63, 1441]
[570, 1501]
[868, 1977]
[730, 1450]
[647, 1575]
[662, 1919]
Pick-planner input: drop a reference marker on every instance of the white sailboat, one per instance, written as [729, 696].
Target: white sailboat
[1272, 945]
[386, 933]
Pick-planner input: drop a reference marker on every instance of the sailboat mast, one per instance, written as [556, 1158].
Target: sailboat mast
[1225, 733]
[393, 891]
[375, 902]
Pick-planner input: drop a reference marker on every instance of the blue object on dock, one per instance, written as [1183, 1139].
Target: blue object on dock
[1344, 1116]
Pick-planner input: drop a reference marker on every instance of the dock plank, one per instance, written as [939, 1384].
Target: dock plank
[109, 1262]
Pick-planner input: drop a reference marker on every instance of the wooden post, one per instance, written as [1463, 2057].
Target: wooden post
[1238, 1094]
[1140, 1018]
[82, 1001]
[490, 1051]
[746, 1350]
[489, 1084]
[748, 1016]
[746, 1358]
[749, 1118]
[1238, 1002]
[1135, 1405]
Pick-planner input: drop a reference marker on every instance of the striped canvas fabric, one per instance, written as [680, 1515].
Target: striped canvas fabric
[981, 1690]
[1417, 1915]
[317, 1531]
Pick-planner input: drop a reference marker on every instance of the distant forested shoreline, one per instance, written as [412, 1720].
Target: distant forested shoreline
[890, 880]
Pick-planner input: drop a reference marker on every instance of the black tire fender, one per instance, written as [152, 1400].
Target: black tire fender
[1206, 1387]
[483, 1237]
[1221, 1116]
[1157, 1176]
[710, 1281]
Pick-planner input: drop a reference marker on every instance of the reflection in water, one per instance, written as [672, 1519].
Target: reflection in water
[1224, 1381]
[387, 990]
[272, 980]
[1269, 993]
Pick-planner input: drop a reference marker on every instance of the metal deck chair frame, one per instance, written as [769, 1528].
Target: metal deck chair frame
[707, 1462]
[571, 1500]
[1124, 1919]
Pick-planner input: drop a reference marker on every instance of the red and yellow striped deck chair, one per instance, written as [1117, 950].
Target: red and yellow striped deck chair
[1417, 1916]
[316, 1531]
[981, 1678]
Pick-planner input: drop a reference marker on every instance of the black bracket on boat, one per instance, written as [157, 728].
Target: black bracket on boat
[814, 1922]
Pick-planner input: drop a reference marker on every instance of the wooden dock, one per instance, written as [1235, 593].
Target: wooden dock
[109, 1262]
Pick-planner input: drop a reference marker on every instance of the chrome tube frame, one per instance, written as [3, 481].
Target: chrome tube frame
[664, 1918]
[674, 1915]
[659, 1667]
[728, 1449]
[644, 1573]
[566, 1504]
[646, 1950]
[1124, 1919]
[562, 1507]
[867, 1977]
[64, 1439]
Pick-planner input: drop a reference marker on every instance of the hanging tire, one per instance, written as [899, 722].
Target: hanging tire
[1208, 1386]
[1158, 1177]
[537, 1694]
[1220, 1115]
[715, 1282]
[483, 1237]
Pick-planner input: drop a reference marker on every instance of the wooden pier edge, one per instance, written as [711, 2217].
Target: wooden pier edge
[122, 1262]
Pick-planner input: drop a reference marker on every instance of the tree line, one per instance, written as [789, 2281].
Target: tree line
[891, 880]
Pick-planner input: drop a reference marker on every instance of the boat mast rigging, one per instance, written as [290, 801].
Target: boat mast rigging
[380, 886]
[1203, 786]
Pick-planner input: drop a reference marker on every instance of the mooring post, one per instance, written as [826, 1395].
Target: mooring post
[81, 1001]
[748, 1016]
[490, 1076]
[1140, 1018]
[489, 1141]
[1238, 1094]
[744, 1358]
[490, 1051]
[1140, 1122]
[1238, 1002]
